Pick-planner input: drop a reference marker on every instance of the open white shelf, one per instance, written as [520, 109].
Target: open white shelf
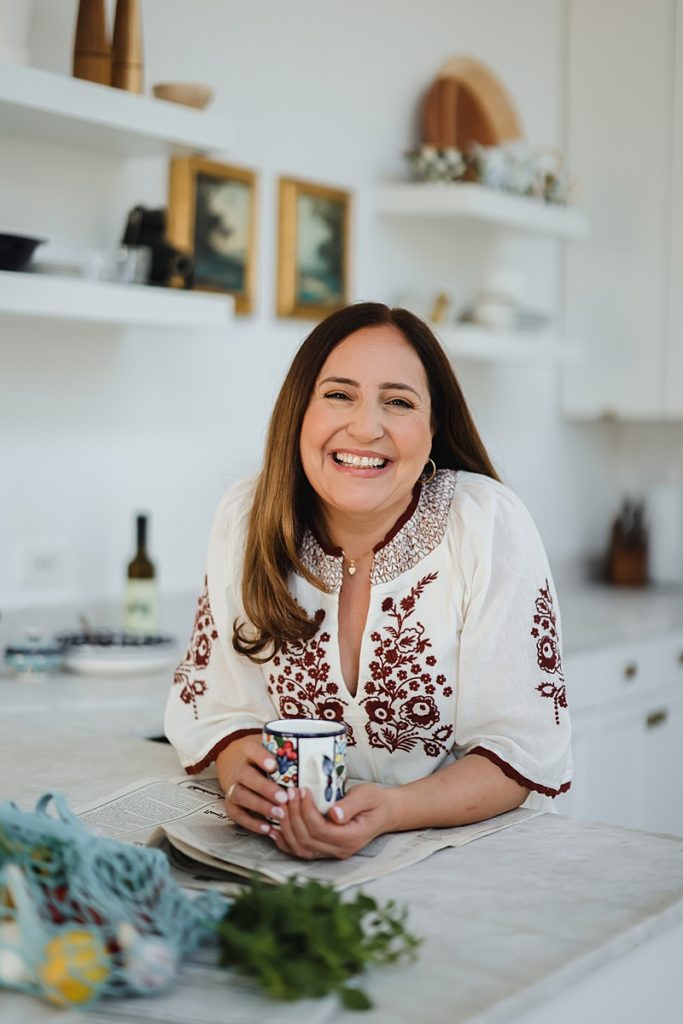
[466, 341]
[39, 296]
[47, 107]
[477, 202]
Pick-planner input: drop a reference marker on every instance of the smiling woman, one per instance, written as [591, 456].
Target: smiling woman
[365, 439]
[379, 574]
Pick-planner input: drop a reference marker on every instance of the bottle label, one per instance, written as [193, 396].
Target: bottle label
[141, 606]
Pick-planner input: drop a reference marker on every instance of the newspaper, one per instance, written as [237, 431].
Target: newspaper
[190, 815]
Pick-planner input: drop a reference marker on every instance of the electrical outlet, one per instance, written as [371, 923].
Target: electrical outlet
[42, 564]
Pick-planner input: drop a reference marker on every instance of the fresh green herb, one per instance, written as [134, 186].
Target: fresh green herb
[302, 940]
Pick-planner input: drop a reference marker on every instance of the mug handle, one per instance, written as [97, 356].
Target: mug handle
[316, 779]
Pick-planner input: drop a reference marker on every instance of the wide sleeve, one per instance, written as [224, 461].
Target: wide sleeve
[511, 699]
[217, 695]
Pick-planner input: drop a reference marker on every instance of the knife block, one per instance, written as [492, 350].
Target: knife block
[627, 563]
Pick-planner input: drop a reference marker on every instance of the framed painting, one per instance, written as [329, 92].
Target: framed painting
[212, 215]
[313, 249]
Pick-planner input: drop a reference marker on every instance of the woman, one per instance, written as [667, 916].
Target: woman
[377, 572]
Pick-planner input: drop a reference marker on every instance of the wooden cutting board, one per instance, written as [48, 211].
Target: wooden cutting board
[466, 104]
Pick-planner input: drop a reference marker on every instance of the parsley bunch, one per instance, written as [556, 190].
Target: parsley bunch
[301, 940]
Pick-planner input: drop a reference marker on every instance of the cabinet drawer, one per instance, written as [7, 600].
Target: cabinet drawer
[602, 675]
[672, 659]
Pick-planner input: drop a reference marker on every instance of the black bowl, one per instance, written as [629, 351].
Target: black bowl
[17, 250]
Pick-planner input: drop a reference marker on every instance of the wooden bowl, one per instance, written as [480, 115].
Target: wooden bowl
[188, 94]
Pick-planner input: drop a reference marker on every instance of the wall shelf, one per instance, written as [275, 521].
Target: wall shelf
[481, 344]
[38, 296]
[46, 107]
[477, 202]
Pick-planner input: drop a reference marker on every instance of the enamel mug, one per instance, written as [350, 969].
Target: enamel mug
[310, 753]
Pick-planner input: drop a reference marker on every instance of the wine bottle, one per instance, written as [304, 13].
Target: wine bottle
[141, 588]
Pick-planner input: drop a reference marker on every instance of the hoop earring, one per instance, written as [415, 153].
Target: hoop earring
[428, 479]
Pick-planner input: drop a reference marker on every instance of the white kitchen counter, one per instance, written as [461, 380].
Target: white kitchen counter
[598, 615]
[545, 923]
[81, 706]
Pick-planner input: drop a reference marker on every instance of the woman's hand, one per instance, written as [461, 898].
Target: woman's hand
[349, 826]
[250, 795]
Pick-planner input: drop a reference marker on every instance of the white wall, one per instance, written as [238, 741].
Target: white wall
[96, 424]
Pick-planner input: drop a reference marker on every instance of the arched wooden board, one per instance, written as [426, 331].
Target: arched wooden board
[467, 104]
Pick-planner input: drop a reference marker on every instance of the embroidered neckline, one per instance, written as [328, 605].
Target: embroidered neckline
[329, 549]
[413, 536]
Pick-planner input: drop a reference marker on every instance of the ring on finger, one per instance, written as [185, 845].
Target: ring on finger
[231, 790]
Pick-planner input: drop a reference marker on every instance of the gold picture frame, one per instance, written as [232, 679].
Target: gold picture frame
[313, 249]
[212, 215]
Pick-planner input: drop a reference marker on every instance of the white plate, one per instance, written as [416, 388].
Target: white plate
[111, 662]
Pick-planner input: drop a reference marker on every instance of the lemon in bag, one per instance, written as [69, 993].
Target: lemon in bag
[74, 967]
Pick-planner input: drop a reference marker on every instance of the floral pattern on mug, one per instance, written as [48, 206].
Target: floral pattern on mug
[339, 766]
[286, 758]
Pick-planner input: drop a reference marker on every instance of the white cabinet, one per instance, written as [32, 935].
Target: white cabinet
[577, 802]
[662, 807]
[624, 142]
[639, 766]
[627, 717]
[674, 378]
[618, 769]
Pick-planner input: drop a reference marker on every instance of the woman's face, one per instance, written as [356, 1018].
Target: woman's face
[366, 434]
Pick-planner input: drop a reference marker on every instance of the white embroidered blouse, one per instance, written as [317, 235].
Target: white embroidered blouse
[461, 652]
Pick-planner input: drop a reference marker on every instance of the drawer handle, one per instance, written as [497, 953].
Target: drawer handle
[680, 658]
[656, 718]
[631, 670]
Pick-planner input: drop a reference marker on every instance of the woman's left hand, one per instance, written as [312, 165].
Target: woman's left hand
[350, 825]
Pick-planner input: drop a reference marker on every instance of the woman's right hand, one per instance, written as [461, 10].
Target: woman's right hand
[250, 795]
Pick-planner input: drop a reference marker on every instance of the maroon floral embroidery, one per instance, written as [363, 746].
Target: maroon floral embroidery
[423, 711]
[198, 654]
[300, 685]
[547, 650]
[400, 709]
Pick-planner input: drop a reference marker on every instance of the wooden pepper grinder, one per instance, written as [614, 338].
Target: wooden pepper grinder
[127, 62]
[92, 53]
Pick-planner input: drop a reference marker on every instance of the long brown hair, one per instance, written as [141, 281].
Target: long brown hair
[283, 499]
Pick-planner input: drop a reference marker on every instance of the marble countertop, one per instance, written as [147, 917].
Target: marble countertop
[510, 922]
[599, 615]
[83, 706]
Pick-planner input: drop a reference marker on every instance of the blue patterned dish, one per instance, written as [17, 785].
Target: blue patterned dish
[35, 656]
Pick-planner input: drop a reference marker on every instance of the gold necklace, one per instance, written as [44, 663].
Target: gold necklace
[352, 567]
